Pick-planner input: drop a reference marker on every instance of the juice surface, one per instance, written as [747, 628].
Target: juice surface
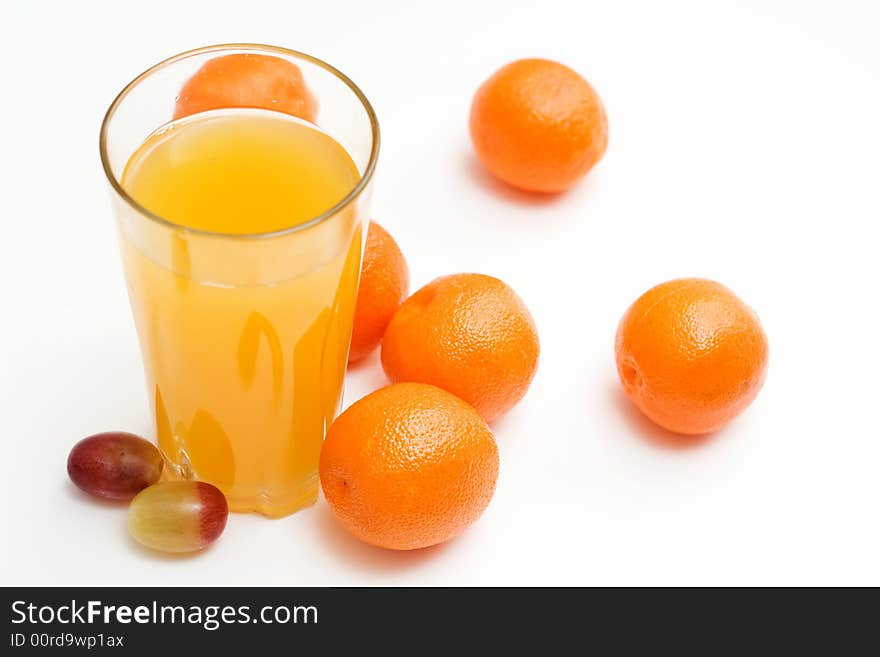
[240, 172]
[245, 340]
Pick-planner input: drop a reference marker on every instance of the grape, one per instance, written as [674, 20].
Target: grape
[178, 516]
[114, 465]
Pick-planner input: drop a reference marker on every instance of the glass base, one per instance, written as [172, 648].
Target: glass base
[270, 505]
[278, 506]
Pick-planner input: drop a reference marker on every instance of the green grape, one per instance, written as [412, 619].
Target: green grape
[178, 516]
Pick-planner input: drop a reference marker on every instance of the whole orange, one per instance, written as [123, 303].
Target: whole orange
[383, 286]
[538, 125]
[408, 466]
[247, 80]
[469, 334]
[691, 355]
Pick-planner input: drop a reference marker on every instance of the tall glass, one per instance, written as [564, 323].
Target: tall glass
[244, 337]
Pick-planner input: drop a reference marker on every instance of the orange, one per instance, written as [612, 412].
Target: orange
[383, 287]
[247, 80]
[691, 355]
[538, 125]
[469, 334]
[408, 466]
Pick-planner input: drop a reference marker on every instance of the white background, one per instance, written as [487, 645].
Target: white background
[744, 147]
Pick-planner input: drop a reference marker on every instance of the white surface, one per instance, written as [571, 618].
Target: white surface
[744, 145]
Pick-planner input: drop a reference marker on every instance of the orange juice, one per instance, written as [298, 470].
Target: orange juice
[244, 299]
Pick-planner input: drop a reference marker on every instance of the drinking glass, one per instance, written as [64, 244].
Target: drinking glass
[244, 337]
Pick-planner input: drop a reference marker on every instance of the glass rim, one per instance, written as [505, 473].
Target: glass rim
[352, 195]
